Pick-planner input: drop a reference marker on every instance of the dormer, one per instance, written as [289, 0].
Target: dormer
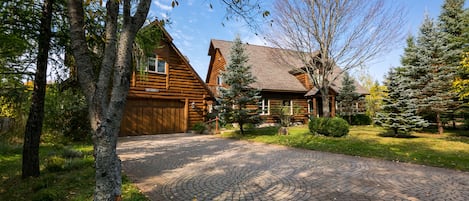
[302, 76]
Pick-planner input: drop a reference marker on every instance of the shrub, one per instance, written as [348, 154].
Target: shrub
[199, 127]
[46, 195]
[335, 127]
[55, 164]
[71, 153]
[361, 119]
[358, 119]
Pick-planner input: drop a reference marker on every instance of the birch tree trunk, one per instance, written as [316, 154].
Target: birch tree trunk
[107, 91]
[32, 134]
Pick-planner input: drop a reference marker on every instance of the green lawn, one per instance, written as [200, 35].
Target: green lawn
[67, 173]
[450, 150]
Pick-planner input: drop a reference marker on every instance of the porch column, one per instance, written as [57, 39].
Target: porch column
[315, 109]
[332, 106]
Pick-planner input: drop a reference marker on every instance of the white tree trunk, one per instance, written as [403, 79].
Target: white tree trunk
[106, 104]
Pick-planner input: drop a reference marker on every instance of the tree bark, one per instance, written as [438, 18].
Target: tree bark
[439, 123]
[32, 135]
[107, 95]
[325, 102]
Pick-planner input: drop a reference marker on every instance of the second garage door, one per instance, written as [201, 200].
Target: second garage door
[153, 116]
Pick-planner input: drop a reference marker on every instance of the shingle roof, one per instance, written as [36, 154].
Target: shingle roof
[272, 72]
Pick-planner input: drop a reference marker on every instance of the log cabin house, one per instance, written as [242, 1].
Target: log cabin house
[167, 96]
[280, 81]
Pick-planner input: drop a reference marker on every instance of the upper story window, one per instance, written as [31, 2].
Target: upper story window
[156, 65]
[219, 80]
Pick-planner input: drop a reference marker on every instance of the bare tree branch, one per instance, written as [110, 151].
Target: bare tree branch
[324, 34]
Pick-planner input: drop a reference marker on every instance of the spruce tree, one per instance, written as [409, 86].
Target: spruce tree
[237, 97]
[432, 51]
[398, 112]
[452, 25]
[347, 97]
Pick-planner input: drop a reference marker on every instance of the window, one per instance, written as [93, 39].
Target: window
[289, 105]
[264, 106]
[219, 80]
[156, 65]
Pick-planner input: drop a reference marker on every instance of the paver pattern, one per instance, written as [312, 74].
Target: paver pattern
[185, 166]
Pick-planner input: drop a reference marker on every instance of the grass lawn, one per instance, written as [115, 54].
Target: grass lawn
[450, 150]
[67, 173]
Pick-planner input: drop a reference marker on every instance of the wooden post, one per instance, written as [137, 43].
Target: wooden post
[186, 115]
[216, 125]
[315, 110]
[332, 106]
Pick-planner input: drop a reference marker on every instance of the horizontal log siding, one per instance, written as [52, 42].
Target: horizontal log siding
[303, 78]
[217, 63]
[300, 106]
[180, 82]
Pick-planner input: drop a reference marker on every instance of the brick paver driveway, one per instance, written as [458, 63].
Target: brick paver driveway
[184, 167]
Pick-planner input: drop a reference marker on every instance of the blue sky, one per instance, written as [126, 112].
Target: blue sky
[194, 24]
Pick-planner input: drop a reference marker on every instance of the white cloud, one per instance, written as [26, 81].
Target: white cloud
[162, 6]
[164, 15]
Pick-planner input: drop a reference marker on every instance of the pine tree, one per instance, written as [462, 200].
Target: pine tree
[347, 97]
[452, 25]
[236, 98]
[399, 111]
[432, 50]
[451, 22]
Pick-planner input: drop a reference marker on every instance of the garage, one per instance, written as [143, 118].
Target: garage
[153, 116]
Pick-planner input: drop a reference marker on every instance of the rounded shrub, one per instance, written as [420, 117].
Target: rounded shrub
[336, 127]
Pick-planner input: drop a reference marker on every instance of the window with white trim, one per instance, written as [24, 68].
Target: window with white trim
[219, 80]
[264, 106]
[156, 65]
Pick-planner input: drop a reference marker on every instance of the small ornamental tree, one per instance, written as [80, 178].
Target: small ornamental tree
[347, 97]
[399, 111]
[238, 99]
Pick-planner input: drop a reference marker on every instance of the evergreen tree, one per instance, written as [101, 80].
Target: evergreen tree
[432, 50]
[236, 98]
[410, 57]
[399, 111]
[461, 83]
[347, 97]
[451, 24]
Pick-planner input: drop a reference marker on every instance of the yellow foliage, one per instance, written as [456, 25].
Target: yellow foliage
[461, 84]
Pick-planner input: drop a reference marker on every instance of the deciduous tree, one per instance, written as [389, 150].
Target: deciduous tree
[32, 134]
[328, 33]
[106, 91]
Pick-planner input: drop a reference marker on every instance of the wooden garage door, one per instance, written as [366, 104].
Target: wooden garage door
[153, 116]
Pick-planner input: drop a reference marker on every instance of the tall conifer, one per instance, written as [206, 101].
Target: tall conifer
[238, 94]
[398, 112]
[347, 97]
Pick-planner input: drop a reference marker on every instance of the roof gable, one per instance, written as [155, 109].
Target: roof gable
[271, 73]
[274, 73]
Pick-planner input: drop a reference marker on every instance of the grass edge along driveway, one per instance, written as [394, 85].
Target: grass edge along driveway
[449, 150]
